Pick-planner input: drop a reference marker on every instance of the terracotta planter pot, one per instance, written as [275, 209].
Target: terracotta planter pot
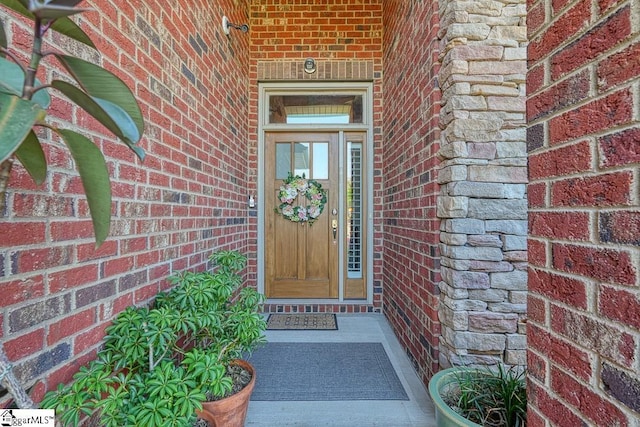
[230, 411]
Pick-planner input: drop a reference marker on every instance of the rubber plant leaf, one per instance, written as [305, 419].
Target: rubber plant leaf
[17, 117]
[109, 114]
[48, 11]
[100, 83]
[13, 80]
[68, 3]
[3, 40]
[67, 27]
[20, 6]
[32, 157]
[95, 180]
[63, 25]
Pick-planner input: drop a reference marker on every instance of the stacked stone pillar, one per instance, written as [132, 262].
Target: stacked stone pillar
[482, 203]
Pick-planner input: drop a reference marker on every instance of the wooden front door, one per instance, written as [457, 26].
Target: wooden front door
[301, 260]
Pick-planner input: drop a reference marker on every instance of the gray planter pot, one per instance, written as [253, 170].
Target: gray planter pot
[439, 386]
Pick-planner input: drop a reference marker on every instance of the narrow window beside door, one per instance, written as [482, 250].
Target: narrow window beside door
[354, 215]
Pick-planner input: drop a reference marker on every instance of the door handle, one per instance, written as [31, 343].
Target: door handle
[334, 226]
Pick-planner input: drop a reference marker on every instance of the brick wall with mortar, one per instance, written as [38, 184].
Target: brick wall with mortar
[187, 198]
[583, 326]
[584, 202]
[410, 145]
[345, 39]
[483, 173]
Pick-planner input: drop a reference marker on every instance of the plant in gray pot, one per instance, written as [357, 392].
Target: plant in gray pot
[475, 397]
[161, 365]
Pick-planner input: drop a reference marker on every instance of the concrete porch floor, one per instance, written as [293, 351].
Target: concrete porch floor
[418, 411]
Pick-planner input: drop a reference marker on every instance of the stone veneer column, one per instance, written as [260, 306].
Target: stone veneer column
[483, 175]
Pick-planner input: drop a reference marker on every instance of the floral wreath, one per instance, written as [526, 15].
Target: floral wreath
[294, 186]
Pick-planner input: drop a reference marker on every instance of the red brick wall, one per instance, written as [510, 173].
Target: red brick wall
[409, 147]
[331, 31]
[584, 224]
[187, 199]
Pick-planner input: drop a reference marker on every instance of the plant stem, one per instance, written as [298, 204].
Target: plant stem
[27, 93]
[7, 378]
[36, 56]
[224, 350]
[11, 383]
[5, 172]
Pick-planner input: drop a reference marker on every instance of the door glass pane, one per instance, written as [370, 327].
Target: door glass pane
[320, 160]
[283, 160]
[354, 210]
[314, 109]
[301, 159]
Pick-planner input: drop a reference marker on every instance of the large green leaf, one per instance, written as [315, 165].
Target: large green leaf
[110, 115]
[51, 12]
[20, 6]
[67, 27]
[100, 83]
[17, 117]
[95, 180]
[12, 82]
[32, 158]
[64, 25]
[67, 3]
[12, 78]
[126, 123]
[3, 40]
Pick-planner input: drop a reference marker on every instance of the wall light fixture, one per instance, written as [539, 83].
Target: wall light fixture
[227, 25]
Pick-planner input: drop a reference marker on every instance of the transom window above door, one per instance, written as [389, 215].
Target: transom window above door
[315, 109]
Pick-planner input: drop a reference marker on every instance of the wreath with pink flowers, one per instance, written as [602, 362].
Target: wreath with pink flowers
[301, 200]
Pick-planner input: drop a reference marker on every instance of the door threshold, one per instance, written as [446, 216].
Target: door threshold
[336, 301]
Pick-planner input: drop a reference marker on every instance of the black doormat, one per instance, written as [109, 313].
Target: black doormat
[324, 372]
[302, 321]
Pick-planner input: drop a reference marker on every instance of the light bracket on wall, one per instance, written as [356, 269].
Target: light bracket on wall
[228, 25]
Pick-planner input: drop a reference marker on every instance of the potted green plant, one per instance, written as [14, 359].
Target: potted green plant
[475, 397]
[24, 104]
[160, 365]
